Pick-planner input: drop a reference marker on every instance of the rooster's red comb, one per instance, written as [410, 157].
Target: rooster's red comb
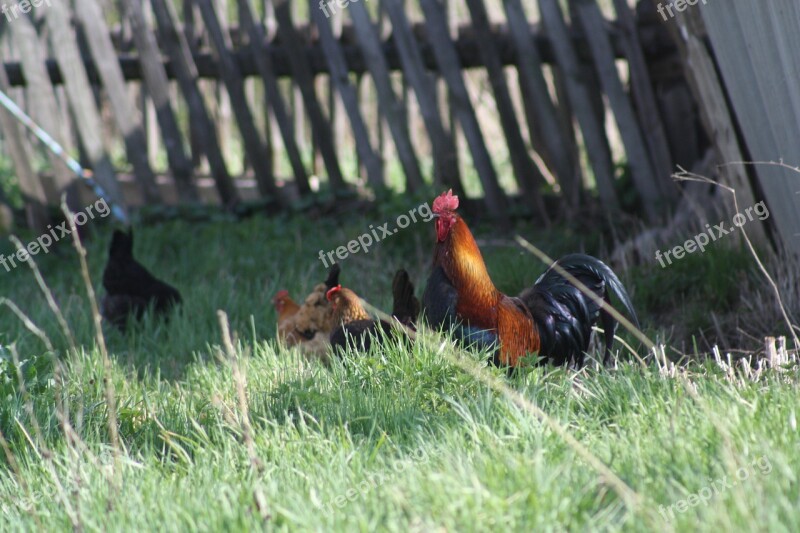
[446, 201]
[332, 291]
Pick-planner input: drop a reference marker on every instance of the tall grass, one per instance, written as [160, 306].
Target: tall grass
[221, 428]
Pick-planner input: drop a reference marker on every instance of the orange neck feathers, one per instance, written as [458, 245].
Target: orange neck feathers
[479, 301]
[463, 263]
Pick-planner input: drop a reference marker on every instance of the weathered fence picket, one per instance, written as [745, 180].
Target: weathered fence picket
[305, 82]
[183, 65]
[230, 77]
[155, 80]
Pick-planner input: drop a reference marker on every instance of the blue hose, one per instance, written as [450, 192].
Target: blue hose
[58, 150]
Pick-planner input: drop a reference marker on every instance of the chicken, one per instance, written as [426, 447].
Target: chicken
[130, 288]
[308, 325]
[552, 319]
[356, 329]
[287, 310]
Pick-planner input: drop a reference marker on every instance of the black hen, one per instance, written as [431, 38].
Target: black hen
[564, 315]
[130, 288]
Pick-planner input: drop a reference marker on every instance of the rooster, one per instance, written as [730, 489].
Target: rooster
[308, 325]
[130, 288]
[356, 328]
[552, 319]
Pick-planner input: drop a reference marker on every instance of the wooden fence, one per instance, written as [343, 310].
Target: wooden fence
[230, 101]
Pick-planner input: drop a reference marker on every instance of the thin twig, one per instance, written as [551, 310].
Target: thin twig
[46, 453]
[631, 499]
[51, 302]
[241, 391]
[111, 404]
[627, 324]
[689, 176]
[28, 323]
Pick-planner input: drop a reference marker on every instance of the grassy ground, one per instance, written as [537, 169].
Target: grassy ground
[393, 440]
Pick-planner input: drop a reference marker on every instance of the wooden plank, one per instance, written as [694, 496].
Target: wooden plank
[447, 59]
[443, 97]
[528, 174]
[445, 158]
[714, 112]
[253, 143]
[149, 123]
[155, 79]
[340, 79]
[81, 99]
[465, 43]
[593, 133]
[195, 126]
[593, 23]
[46, 110]
[392, 108]
[32, 191]
[217, 96]
[318, 85]
[181, 61]
[305, 82]
[542, 116]
[98, 40]
[336, 110]
[761, 70]
[645, 100]
[273, 96]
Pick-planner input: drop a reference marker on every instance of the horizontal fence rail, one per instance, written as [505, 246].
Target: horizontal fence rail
[231, 101]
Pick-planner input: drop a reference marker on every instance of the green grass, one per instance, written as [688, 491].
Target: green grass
[393, 440]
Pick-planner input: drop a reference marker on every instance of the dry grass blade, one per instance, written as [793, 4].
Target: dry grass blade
[685, 175]
[388, 318]
[48, 294]
[625, 344]
[241, 391]
[26, 398]
[28, 323]
[98, 326]
[46, 454]
[14, 464]
[627, 324]
[631, 499]
[628, 495]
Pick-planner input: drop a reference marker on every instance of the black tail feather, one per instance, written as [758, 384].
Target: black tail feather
[333, 276]
[406, 306]
[565, 316]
